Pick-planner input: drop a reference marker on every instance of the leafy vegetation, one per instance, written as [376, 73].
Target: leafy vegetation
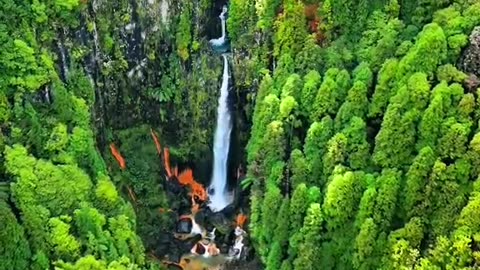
[385, 131]
[359, 120]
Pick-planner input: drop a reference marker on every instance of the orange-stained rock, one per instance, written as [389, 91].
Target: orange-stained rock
[240, 220]
[197, 190]
[118, 156]
[157, 142]
[166, 156]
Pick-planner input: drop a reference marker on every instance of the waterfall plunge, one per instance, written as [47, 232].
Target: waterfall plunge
[217, 191]
[218, 42]
[218, 194]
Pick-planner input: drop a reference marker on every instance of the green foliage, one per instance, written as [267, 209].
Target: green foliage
[388, 187]
[432, 42]
[280, 238]
[356, 105]
[65, 246]
[53, 187]
[315, 147]
[287, 107]
[309, 91]
[380, 40]
[416, 178]
[309, 249]
[434, 115]
[267, 112]
[298, 167]
[273, 146]
[358, 148]
[341, 199]
[365, 245]
[269, 212]
[274, 257]
[384, 88]
[395, 142]
[14, 248]
[241, 11]
[290, 32]
[386, 126]
[354, 162]
[106, 193]
[310, 57]
[298, 207]
[325, 102]
[184, 33]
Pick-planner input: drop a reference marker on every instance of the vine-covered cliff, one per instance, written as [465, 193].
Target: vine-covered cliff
[76, 77]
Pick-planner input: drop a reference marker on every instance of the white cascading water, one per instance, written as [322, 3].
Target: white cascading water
[218, 193]
[221, 40]
[63, 59]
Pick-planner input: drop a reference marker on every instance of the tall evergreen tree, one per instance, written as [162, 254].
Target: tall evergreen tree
[15, 252]
[315, 147]
[309, 91]
[311, 231]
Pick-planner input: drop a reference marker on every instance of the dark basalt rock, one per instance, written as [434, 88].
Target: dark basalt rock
[472, 83]
[184, 226]
[470, 60]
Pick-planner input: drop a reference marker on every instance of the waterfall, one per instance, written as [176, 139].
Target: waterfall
[97, 52]
[218, 193]
[63, 59]
[217, 42]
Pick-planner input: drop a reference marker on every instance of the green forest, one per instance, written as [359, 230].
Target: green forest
[355, 138]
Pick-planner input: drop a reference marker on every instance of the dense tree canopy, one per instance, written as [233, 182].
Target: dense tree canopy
[357, 123]
[386, 133]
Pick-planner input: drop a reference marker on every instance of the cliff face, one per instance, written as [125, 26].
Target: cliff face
[149, 62]
[470, 61]
[78, 76]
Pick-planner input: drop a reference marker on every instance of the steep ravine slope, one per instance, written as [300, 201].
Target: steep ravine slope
[76, 77]
[363, 151]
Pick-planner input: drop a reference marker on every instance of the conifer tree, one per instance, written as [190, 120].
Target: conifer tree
[240, 11]
[291, 30]
[280, 238]
[395, 141]
[309, 250]
[309, 92]
[335, 155]
[325, 102]
[432, 42]
[363, 74]
[384, 88]
[298, 168]
[341, 199]
[15, 252]
[356, 105]
[310, 57]
[292, 87]
[416, 178]
[268, 111]
[365, 256]
[269, 216]
[433, 117]
[315, 147]
[403, 246]
[272, 147]
[388, 187]
[358, 149]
